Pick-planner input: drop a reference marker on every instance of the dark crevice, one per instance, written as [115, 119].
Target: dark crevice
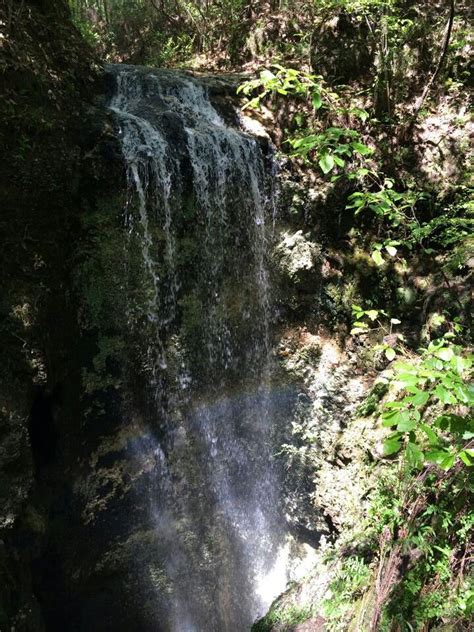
[42, 431]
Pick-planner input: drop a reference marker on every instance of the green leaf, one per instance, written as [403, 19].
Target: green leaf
[444, 395]
[390, 418]
[445, 353]
[414, 455]
[339, 161]
[437, 320]
[326, 162]
[394, 417]
[361, 149]
[405, 367]
[465, 394]
[419, 399]
[465, 458]
[407, 379]
[377, 257]
[391, 445]
[436, 456]
[316, 100]
[407, 425]
[390, 353]
[442, 422]
[362, 114]
[448, 462]
[267, 75]
[456, 424]
[253, 103]
[431, 434]
[372, 314]
[397, 405]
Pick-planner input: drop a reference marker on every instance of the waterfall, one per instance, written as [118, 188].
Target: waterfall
[199, 219]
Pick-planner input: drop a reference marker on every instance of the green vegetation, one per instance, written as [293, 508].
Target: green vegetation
[349, 584]
[285, 618]
[439, 379]
[420, 529]
[411, 568]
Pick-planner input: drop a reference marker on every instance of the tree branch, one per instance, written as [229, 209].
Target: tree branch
[442, 58]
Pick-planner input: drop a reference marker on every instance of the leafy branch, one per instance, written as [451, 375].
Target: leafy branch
[437, 380]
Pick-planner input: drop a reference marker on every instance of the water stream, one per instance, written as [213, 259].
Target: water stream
[200, 212]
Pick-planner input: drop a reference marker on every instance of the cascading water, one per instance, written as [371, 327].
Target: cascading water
[200, 210]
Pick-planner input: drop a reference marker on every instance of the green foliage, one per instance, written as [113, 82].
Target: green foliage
[437, 380]
[285, 81]
[349, 584]
[332, 146]
[432, 517]
[424, 526]
[356, 6]
[168, 32]
[285, 617]
[376, 320]
[449, 229]
[428, 419]
[385, 202]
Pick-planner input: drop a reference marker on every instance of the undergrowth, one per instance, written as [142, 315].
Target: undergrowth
[409, 568]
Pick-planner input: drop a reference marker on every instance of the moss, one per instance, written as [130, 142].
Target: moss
[106, 363]
[371, 402]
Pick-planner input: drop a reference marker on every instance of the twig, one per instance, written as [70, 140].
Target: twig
[438, 68]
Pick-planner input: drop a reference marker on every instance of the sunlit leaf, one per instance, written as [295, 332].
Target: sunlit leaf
[448, 462]
[391, 446]
[372, 314]
[361, 149]
[406, 425]
[414, 455]
[465, 458]
[444, 395]
[395, 418]
[419, 399]
[326, 162]
[445, 353]
[436, 456]
[377, 257]
[267, 75]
